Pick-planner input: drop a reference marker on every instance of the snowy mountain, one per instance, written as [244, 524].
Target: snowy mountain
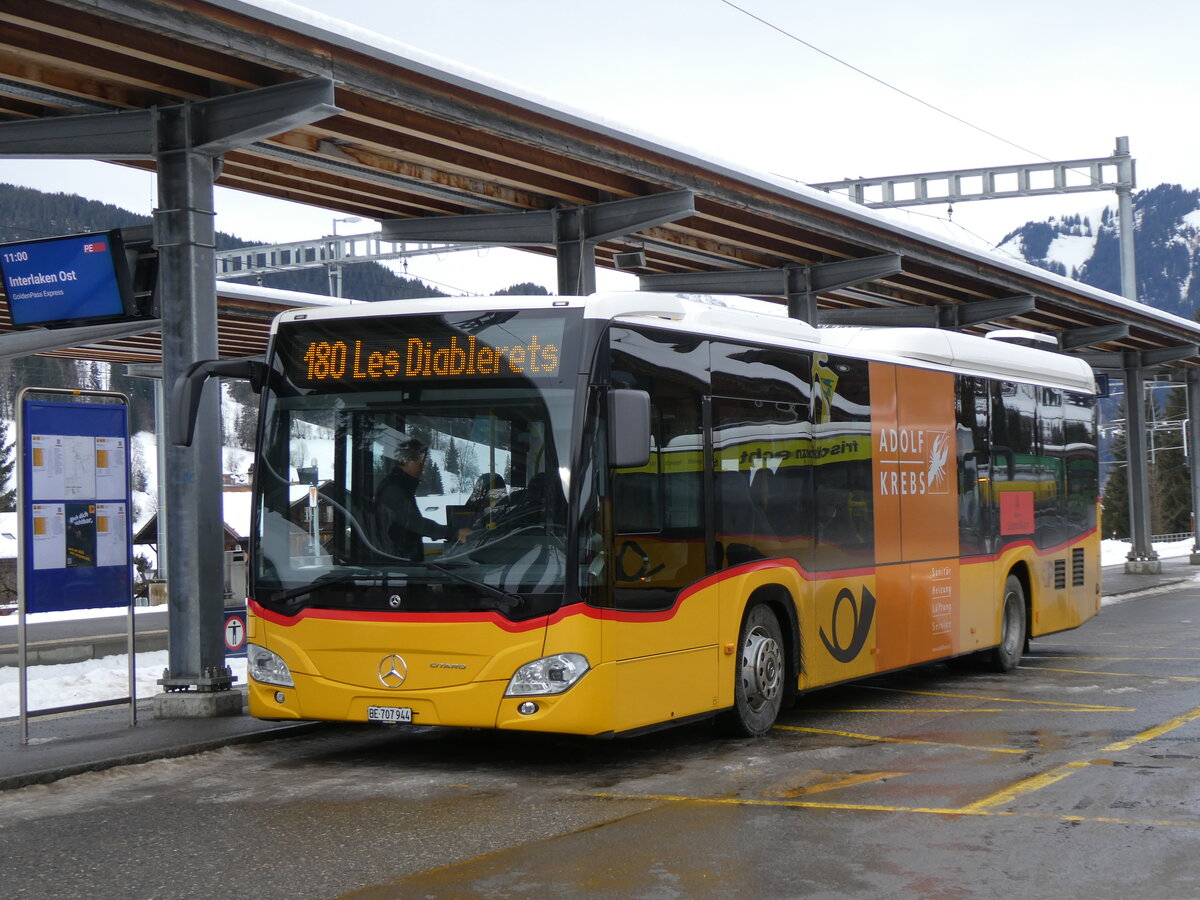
[1084, 247]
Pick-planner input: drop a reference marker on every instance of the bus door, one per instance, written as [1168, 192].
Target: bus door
[851, 614]
[978, 463]
[761, 479]
[660, 627]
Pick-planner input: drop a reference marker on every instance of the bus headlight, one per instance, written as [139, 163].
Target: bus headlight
[548, 675]
[267, 667]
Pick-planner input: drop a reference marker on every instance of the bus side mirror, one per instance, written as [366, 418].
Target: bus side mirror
[185, 393]
[628, 428]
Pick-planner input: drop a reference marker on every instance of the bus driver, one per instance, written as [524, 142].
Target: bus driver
[400, 521]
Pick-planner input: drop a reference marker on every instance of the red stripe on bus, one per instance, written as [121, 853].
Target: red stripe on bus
[614, 615]
[347, 615]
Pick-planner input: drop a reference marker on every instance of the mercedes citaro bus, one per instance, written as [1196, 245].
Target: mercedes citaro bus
[694, 510]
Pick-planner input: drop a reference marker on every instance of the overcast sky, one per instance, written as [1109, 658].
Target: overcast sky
[1048, 80]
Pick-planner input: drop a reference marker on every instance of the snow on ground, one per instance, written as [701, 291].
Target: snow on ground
[88, 681]
[91, 680]
[1113, 553]
[107, 678]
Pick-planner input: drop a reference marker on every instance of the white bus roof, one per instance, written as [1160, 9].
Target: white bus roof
[753, 320]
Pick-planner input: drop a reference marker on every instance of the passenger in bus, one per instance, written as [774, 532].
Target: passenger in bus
[400, 521]
[528, 506]
[488, 493]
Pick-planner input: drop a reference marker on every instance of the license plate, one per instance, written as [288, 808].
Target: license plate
[391, 714]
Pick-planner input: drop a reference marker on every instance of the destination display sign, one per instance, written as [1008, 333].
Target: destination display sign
[347, 353]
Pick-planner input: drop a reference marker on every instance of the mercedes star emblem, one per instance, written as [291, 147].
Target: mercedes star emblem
[392, 671]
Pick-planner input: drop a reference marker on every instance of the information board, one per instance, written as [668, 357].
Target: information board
[76, 505]
[67, 280]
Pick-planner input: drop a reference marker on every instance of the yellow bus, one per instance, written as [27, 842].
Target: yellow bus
[689, 510]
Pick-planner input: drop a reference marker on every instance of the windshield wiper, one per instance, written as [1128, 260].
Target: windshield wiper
[325, 581]
[507, 601]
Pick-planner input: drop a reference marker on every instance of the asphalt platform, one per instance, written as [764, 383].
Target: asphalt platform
[66, 744]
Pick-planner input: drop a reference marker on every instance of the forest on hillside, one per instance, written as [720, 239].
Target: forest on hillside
[29, 214]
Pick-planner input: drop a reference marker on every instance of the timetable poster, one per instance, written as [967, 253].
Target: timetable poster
[49, 468]
[81, 467]
[111, 532]
[77, 504]
[110, 467]
[49, 535]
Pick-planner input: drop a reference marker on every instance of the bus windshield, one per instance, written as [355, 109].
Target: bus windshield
[438, 495]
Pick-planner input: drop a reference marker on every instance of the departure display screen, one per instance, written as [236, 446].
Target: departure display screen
[66, 281]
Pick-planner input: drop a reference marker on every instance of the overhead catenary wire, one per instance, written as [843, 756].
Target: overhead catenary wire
[948, 220]
[881, 81]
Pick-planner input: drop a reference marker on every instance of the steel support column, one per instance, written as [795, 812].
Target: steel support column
[186, 142]
[185, 236]
[574, 254]
[1193, 456]
[1125, 224]
[574, 232]
[1141, 557]
[1134, 364]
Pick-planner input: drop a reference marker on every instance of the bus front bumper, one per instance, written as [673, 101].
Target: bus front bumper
[586, 708]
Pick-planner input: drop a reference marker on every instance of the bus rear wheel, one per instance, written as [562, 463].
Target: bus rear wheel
[1007, 655]
[759, 676]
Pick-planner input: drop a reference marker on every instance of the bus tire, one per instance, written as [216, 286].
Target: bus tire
[758, 677]
[1006, 656]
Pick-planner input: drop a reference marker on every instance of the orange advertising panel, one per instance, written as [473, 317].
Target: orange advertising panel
[916, 513]
[885, 418]
[915, 484]
[936, 605]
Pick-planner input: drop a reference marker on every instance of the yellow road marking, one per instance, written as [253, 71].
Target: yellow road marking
[1124, 658]
[834, 782]
[891, 740]
[1041, 645]
[1037, 782]
[1060, 703]
[1157, 731]
[928, 810]
[1028, 786]
[803, 804]
[963, 709]
[1117, 674]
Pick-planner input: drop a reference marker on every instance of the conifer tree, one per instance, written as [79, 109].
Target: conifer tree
[452, 458]
[431, 481]
[8, 465]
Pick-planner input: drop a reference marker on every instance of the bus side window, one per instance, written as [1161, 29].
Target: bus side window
[971, 414]
[637, 494]
[841, 453]
[1083, 484]
[760, 453]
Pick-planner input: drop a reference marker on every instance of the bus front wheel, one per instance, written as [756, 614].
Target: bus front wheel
[1007, 655]
[758, 677]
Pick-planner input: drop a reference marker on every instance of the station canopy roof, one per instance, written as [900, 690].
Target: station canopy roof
[421, 137]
